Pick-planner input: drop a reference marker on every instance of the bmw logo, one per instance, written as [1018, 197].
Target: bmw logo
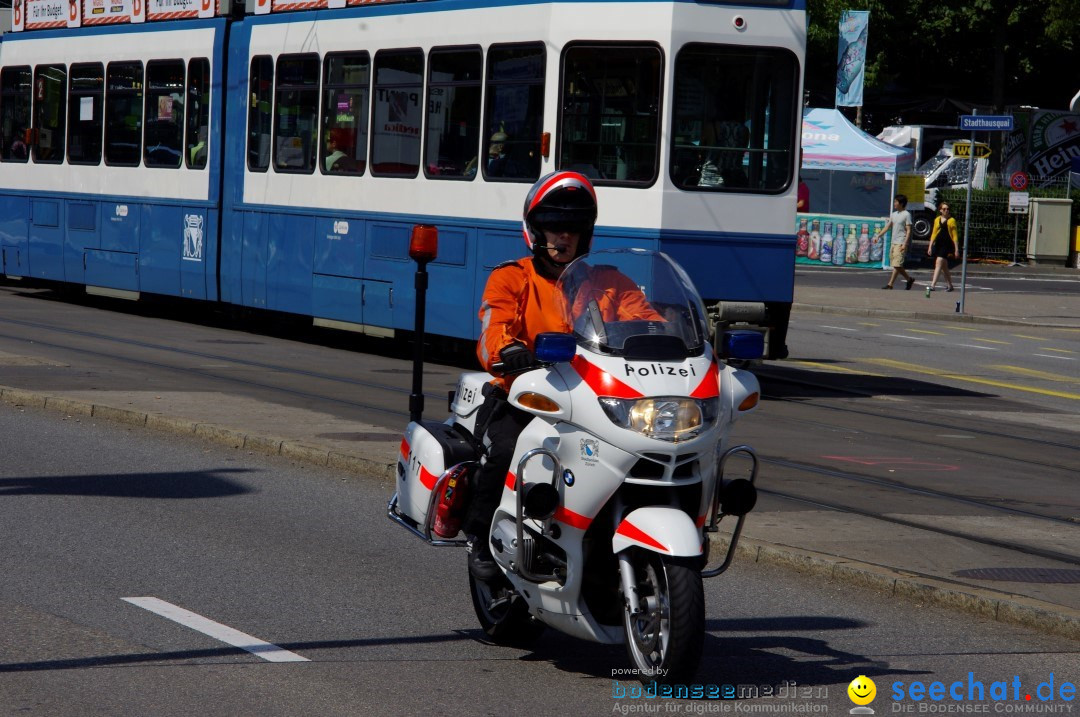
[568, 477]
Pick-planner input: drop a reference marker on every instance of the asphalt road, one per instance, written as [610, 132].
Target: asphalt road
[92, 512]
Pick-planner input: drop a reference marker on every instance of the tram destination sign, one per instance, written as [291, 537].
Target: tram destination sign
[986, 123]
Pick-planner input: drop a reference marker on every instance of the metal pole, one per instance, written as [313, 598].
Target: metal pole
[1016, 229]
[416, 398]
[967, 220]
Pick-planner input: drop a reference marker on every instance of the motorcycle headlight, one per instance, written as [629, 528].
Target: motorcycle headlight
[666, 418]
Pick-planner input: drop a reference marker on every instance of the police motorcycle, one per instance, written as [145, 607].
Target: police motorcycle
[602, 531]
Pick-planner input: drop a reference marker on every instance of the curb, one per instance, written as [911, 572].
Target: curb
[1001, 607]
[928, 316]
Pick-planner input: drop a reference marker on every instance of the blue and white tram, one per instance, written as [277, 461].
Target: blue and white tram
[103, 181]
[289, 176]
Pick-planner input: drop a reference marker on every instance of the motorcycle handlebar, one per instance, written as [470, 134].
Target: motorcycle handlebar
[500, 368]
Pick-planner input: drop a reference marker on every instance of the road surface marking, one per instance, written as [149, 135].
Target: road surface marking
[975, 346]
[224, 633]
[993, 341]
[1065, 358]
[830, 367]
[838, 328]
[1057, 351]
[913, 338]
[1036, 374]
[915, 368]
[1033, 338]
[924, 331]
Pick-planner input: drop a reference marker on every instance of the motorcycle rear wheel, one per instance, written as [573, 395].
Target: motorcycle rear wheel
[666, 639]
[508, 622]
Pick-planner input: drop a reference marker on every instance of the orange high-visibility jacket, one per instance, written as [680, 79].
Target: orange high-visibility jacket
[520, 303]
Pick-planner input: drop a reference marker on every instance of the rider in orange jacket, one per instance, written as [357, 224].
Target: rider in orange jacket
[520, 302]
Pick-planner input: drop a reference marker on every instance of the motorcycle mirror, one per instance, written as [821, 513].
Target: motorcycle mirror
[743, 344]
[553, 347]
[424, 243]
[540, 501]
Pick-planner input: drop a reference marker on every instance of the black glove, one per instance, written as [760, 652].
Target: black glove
[516, 357]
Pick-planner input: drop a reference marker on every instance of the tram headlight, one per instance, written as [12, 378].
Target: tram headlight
[666, 418]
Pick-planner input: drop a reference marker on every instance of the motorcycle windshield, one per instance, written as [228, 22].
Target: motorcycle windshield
[634, 303]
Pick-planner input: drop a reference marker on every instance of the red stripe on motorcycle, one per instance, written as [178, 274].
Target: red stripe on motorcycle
[427, 478]
[700, 522]
[600, 381]
[404, 448]
[574, 520]
[633, 532]
[710, 385]
[511, 480]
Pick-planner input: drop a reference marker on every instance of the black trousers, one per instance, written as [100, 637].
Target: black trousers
[504, 424]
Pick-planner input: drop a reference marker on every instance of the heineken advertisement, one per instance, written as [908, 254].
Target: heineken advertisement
[839, 241]
[1043, 144]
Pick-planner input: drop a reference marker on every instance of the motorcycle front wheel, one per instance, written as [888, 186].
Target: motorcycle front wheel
[503, 615]
[666, 638]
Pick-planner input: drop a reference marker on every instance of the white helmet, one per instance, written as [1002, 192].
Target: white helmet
[560, 201]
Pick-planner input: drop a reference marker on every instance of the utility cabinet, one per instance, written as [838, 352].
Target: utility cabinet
[1049, 226]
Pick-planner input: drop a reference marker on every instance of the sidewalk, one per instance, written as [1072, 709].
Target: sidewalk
[980, 305]
[899, 559]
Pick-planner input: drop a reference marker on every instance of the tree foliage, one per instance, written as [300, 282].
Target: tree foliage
[990, 53]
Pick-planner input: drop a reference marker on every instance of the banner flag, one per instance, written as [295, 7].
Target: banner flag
[851, 58]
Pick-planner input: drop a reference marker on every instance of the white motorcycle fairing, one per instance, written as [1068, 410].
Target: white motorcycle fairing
[661, 529]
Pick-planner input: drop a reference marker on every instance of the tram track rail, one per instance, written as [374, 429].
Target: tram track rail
[952, 425]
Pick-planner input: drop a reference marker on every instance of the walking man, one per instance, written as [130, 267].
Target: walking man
[900, 221]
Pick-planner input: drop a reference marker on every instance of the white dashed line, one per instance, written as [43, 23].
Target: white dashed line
[224, 633]
[974, 346]
[1065, 358]
[913, 338]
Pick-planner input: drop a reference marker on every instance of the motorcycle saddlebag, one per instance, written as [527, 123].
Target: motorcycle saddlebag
[428, 449]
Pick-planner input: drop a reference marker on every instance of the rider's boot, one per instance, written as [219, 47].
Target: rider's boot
[481, 562]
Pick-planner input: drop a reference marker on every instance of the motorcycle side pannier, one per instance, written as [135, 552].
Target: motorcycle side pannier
[429, 448]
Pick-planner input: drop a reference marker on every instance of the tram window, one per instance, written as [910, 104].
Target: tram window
[50, 98]
[734, 118]
[197, 124]
[163, 145]
[15, 85]
[453, 113]
[346, 89]
[395, 125]
[296, 113]
[260, 117]
[610, 126]
[86, 113]
[123, 113]
[514, 112]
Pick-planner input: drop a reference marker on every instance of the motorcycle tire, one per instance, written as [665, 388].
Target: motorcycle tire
[666, 639]
[509, 623]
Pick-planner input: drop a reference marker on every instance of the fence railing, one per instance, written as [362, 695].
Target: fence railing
[994, 232]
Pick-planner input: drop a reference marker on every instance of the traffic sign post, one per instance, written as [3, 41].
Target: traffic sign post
[1018, 204]
[973, 123]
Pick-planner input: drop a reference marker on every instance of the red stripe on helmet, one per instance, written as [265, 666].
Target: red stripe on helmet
[559, 178]
[600, 381]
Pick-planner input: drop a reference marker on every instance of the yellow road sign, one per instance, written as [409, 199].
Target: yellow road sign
[964, 150]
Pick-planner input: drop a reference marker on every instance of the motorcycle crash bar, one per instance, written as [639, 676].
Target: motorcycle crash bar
[541, 507]
[737, 498]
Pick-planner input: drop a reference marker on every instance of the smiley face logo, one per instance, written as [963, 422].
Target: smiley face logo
[862, 690]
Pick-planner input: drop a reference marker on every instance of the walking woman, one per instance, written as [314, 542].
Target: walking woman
[943, 244]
